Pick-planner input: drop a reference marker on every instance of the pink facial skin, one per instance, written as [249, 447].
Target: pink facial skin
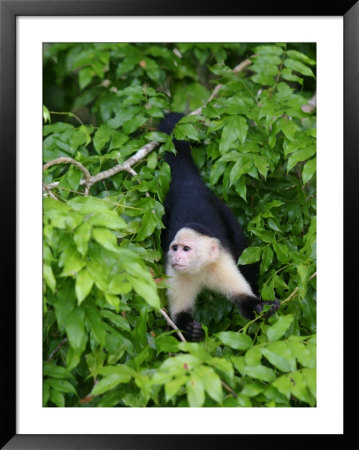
[181, 256]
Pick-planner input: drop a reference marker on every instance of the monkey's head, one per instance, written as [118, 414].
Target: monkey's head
[190, 251]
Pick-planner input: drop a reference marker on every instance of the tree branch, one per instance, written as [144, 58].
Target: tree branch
[172, 324]
[68, 160]
[89, 180]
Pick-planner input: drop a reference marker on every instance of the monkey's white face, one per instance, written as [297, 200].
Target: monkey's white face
[190, 251]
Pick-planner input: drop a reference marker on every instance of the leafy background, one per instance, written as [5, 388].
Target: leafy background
[105, 340]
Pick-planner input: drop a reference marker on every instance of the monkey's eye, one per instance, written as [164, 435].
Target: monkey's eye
[174, 248]
[186, 248]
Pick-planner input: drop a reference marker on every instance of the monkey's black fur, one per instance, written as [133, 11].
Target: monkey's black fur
[189, 203]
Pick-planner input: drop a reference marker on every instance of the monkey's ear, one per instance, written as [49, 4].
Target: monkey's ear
[214, 250]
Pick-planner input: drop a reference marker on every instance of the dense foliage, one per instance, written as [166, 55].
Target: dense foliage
[106, 342]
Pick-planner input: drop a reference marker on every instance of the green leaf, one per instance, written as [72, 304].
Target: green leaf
[310, 377]
[102, 136]
[309, 170]
[241, 167]
[75, 329]
[107, 219]
[195, 391]
[57, 127]
[211, 382]
[186, 131]
[298, 66]
[109, 382]
[264, 235]
[267, 291]
[216, 172]
[122, 116]
[280, 356]
[85, 77]
[234, 340]
[89, 205]
[166, 343]
[106, 238]
[288, 127]
[277, 330]
[116, 319]
[119, 285]
[252, 389]
[260, 372]
[281, 251]
[84, 283]
[234, 130]
[261, 164]
[146, 291]
[288, 75]
[300, 155]
[133, 124]
[268, 49]
[152, 160]
[250, 255]
[294, 54]
[49, 277]
[298, 384]
[72, 358]
[62, 386]
[267, 258]
[93, 318]
[241, 188]
[148, 226]
[195, 349]
[52, 370]
[82, 236]
[223, 366]
[253, 356]
[303, 353]
[45, 393]
[73, 177]
[46, 114]
[114, 300]
[72, 262]
[57, 398]
[172, 387]
[303, 272]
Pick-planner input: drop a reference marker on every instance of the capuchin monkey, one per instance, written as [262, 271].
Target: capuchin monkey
[202, 241]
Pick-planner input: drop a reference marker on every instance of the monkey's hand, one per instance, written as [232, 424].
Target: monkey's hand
[249, 305]
[192, 330]
[275, 305]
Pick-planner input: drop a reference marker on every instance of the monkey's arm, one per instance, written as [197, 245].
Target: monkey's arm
[226, 278]
[181, 295]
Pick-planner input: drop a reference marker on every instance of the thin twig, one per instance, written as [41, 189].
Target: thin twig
[70, 114]
[293, 294]
[229, 389]
[62, 343]
[51, 194]
[239, 68]
[172, 324]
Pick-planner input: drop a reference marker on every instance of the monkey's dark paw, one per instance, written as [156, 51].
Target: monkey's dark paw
[193, 331]
[275, 305]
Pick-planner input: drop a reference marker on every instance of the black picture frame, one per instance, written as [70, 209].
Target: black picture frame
[9, 10]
